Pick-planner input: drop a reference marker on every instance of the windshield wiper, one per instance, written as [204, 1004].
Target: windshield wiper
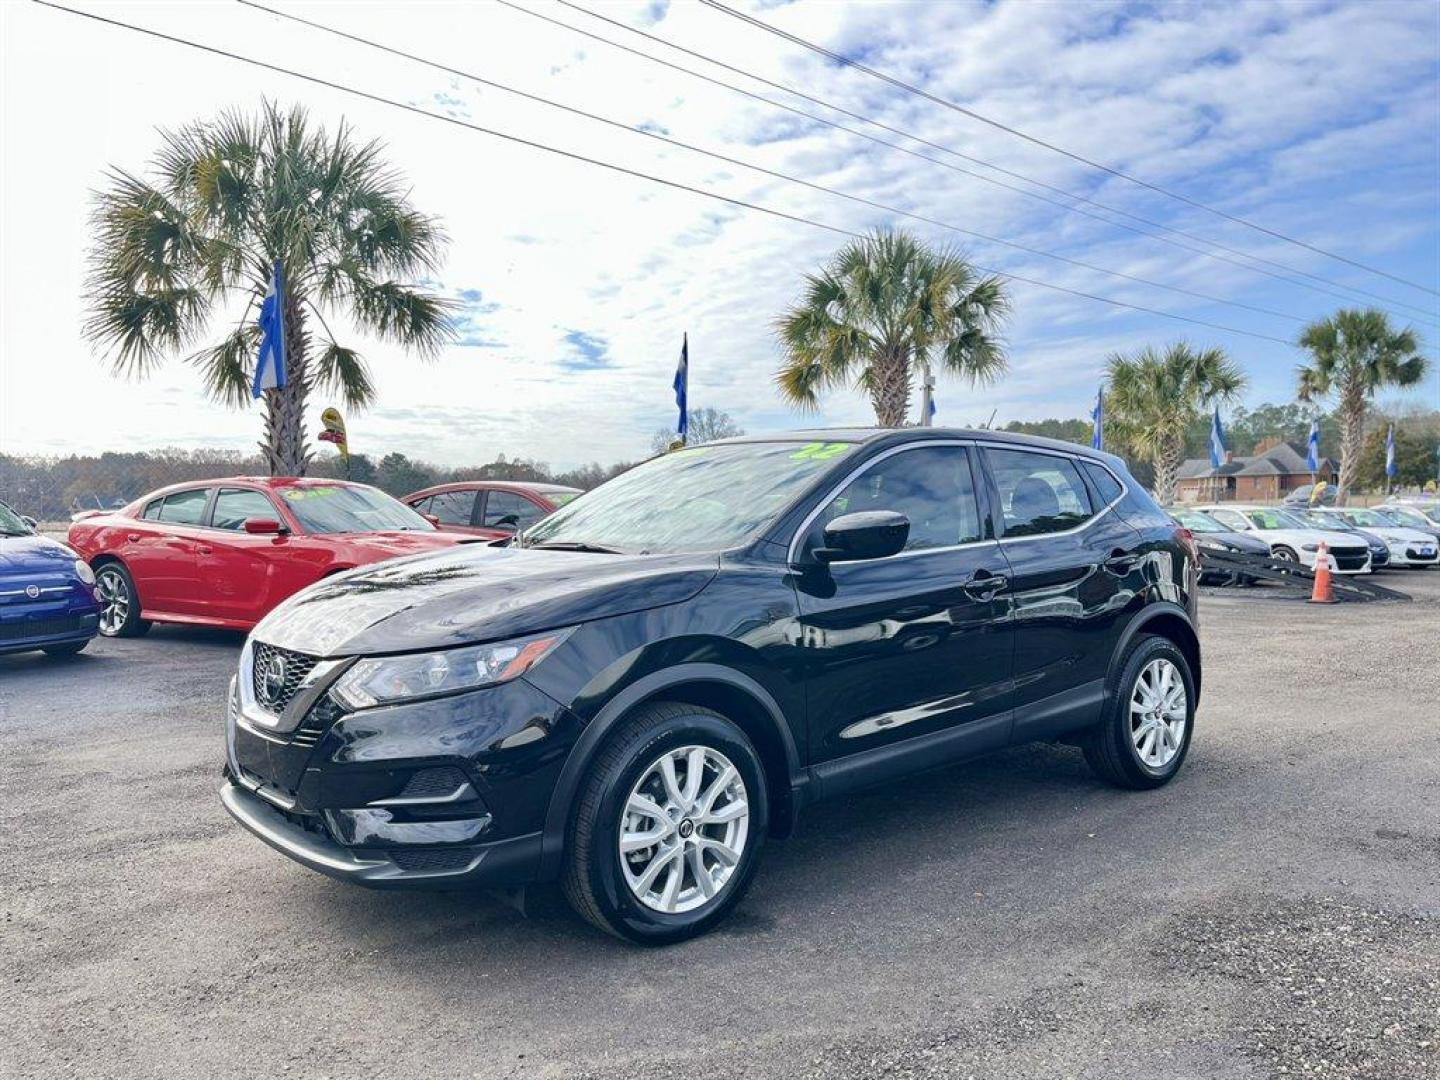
[575, 545]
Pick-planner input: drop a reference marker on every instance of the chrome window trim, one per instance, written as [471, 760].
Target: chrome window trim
[1076, 458]
[791, 552]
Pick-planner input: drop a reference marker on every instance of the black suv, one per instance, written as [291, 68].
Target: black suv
[642, 688]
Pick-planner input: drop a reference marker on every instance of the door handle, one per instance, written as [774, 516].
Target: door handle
[983, 585]
[206, 549]
[134, 538]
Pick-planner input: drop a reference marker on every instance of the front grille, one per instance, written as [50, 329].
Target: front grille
[433, 860]
[34, 628]
[276, 675]
[1413, 554]
[1350, 558]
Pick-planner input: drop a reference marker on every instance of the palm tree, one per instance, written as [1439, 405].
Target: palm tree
[229, 199]
[1153, 398]
[884, 308]
[1356, 353]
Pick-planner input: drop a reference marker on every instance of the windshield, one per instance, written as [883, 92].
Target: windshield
[1198, 522]
[1365, 518]
[10, 523]
[335, 508]
[708, 498]
[1275, 519]
[1325, 521]
[1403, 516]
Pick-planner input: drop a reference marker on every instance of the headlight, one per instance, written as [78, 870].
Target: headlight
[387, 679]
[83, 572]
[1214, 545]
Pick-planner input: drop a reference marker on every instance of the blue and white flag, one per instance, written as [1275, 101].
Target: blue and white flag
[682, 386]
[1312, 456]
[1217, 441]
[1390, 452]
[270, 367]
[1097, 421]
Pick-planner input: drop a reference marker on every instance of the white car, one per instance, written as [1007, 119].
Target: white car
[1408, 547]
[1429, 509]
[1292, 540]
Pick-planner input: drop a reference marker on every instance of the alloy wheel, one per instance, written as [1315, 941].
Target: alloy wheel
[1158, 713]
[114, 600]
[683, 829]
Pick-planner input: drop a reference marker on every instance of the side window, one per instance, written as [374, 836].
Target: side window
[185, 507]
[932, 486]
[152, 510]
[234, 505]
[1039, 493]
[500, 504]
[452, 507]
[1108, 487]
[420, 506]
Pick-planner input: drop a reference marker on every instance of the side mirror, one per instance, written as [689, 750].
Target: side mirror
[263, 526]
[869, 534]
[432, 519]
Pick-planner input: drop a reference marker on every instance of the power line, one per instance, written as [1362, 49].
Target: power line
[674, 184]
[1066, 206]
[972, 114]
[669, 141]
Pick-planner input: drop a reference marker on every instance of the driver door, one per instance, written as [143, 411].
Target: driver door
[916, 648]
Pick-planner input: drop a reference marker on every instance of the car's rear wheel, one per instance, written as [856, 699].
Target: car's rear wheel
[669, 825]
[1143, 740]
[119, 602]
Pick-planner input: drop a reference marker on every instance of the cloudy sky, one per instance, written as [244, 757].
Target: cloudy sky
[1319, 120]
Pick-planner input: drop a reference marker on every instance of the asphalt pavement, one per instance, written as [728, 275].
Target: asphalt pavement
[1273, 912]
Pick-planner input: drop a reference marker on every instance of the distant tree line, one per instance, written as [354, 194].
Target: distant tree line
[51, 488]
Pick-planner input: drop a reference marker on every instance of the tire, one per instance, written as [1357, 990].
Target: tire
[1112, 750]
[604, 886]
[69, 648]
[1285, 554]
[119, 602]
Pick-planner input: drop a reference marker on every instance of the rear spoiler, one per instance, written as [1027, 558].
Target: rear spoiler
[81, 515]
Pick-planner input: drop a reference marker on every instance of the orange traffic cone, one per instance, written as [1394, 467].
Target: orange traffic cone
[1324, 591]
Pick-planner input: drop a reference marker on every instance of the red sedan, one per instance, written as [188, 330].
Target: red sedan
[489, 508]
[224, 552]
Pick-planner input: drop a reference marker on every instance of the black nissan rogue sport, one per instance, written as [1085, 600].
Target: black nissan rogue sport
[637, 692]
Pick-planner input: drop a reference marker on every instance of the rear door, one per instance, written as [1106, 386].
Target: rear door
[916, 644]
[1076, 573]
[163, 556]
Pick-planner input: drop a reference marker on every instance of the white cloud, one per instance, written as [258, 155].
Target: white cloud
[1318, 118]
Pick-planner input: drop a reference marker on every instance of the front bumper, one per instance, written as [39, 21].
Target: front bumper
[1414, 554]
[502, 863]
[434, 792]
[61, 613]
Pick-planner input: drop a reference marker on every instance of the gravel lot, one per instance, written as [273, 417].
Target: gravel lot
[1274, 912]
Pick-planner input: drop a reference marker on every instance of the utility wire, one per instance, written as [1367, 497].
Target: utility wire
[1067, 206]
[972, 114]
[573, 156]
[656, 136]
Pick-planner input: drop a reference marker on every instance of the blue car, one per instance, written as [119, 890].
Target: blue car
[47, 595]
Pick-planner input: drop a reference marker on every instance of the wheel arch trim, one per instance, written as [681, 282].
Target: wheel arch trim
[1172, 615]
[651, 687]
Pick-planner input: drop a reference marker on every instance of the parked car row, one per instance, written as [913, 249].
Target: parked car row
[1358, 540]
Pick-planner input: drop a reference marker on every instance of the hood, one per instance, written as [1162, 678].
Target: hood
[33, 554]
[391, 545]
[475, 593]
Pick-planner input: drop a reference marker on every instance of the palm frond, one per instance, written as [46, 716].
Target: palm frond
[344, 372]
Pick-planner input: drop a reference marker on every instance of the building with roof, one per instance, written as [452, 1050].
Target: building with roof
[1275, 469]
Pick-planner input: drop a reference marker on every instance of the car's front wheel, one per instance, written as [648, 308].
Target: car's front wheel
[119, 602]
[1143, 740]
[669, 825]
